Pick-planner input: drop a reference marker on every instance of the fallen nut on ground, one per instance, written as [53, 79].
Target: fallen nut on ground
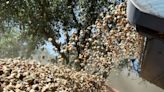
[22, 77]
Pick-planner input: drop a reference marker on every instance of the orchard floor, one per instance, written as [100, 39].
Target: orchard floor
[124, 83]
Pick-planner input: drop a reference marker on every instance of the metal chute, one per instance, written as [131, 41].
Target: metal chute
[148, 17]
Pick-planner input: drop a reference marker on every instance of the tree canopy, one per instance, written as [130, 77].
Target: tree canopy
[43, 19]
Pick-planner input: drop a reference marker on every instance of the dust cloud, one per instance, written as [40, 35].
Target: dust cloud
[133, 83]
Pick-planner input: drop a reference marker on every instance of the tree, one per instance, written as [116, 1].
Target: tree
[43, 19]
